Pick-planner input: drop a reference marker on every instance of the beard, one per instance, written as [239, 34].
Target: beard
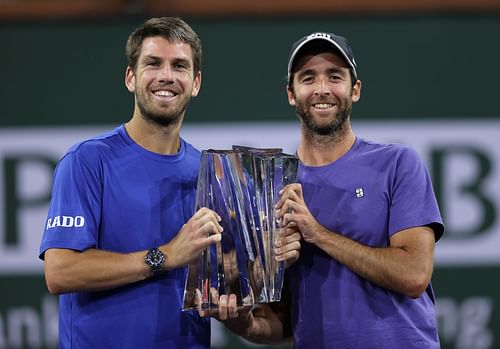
[165, 116]
[334, 128]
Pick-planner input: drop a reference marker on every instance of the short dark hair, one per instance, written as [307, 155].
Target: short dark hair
[170, 28]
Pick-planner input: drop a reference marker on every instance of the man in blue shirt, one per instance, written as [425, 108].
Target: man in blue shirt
[121, 226]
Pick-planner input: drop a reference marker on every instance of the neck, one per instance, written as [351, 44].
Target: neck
[159, 139]
[319, 150]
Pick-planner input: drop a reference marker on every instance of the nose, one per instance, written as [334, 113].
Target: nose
[322, 87]
[165, 74]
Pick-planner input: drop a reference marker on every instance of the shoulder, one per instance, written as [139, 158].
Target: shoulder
[389, 158]
[102, 141]
[91, 150]
[395, 151]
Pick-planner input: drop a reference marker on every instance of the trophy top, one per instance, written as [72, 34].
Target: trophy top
[257, 151]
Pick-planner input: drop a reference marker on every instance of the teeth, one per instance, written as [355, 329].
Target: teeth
[164, 93]
[323, 105]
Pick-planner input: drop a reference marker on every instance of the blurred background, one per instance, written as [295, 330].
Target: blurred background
[429, 68]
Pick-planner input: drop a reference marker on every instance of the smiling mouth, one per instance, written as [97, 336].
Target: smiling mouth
[164, 93]
[323, 105]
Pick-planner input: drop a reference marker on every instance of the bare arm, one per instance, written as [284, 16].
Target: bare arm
[405, 266]
[90, 270]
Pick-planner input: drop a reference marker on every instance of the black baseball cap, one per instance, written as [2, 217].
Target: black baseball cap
[336, 41]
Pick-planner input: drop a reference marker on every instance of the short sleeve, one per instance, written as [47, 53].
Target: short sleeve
[413, 202]
[74, 211]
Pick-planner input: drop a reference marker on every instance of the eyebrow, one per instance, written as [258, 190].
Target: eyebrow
[185, 61]
[303, 73]
[175, 61]
[150, 57]
[339, 70]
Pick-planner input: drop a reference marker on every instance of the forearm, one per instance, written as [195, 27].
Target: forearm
[72, 271]
[404, 268]
[91, 270]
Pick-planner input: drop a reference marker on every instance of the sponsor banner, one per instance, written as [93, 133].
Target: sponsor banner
[27, 160]
[463, 159]
[28, 315]
[467, 308]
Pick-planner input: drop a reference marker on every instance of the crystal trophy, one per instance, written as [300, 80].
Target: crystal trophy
[242, 185]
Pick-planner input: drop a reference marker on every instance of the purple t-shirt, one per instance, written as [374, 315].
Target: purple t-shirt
[369, 194]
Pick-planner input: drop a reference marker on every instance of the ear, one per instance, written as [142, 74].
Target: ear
[291, 96]
[196, 84]
[130, 79]
[356, 91]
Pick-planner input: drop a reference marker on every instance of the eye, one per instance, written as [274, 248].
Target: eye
[307, 79]
[152, 63]
[181, 65]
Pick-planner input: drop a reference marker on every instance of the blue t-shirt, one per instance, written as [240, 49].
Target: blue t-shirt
[369, 194]
[111, 194]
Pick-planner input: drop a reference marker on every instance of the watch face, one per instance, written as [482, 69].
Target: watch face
[155, 259]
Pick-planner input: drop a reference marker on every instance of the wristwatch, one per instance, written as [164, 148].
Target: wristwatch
[155, 259]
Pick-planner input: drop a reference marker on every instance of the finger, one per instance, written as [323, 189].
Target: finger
[232, 307]
[207, 239]
[297, 189]
[292, 186]
[201, 212]
[209, 216]
[284, 193]
[203, 215]
[297, 236]
[293, 193]
[288, 257]
[290, 206]
[281, 240]
[223, 307]
[280, 203]
[210, 240]
[209, 226]
[290, 219]
[290, 229]
[197, 302]
[289, 239]
[214, 294]
[292, 246]
[204, 211]
[295, 196]
[285, 207]
[214, 214]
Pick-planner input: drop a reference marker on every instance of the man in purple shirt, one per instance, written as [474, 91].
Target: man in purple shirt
[368, 217]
